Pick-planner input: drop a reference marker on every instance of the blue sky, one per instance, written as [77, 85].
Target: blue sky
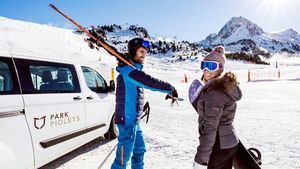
[189, 20]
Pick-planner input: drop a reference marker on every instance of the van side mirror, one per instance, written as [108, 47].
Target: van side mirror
[112, 86]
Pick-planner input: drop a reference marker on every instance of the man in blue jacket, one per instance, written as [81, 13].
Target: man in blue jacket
[131, 82]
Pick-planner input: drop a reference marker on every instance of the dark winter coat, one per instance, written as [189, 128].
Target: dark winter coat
[130, 93]
[216, 107]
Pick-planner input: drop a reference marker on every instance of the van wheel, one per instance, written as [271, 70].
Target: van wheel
[112, 131]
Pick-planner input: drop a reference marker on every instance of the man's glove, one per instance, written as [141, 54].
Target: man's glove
[173, 95]
[146, 110]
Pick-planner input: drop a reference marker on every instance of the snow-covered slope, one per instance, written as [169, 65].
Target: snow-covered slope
[240, 34]
[267, 118]
[44, 41]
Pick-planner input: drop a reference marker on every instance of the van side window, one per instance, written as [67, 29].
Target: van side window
[100, 80]
[8, 78]
[94, 80]
[89, 77]
[48, 77]
[1, 83]
[6, 83]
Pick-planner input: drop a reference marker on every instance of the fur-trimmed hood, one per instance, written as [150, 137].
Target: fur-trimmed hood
[227, 83]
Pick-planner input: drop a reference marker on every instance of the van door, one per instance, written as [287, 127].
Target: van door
[98, 102]
[15, 141]
[54, 107]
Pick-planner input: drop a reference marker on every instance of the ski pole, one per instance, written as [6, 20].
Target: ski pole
[103, 162]
[108, 48]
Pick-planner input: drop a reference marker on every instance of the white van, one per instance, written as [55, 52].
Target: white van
[49, 108]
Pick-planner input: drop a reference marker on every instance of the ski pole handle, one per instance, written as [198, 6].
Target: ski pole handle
[174, 98]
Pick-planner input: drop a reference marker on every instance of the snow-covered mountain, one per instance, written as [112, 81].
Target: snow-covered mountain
[162, 47]
[240, 34]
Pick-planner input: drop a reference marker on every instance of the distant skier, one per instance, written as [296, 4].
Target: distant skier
[216, 107]
[129, 105]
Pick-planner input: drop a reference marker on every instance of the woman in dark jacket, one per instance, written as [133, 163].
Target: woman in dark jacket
[216, 107]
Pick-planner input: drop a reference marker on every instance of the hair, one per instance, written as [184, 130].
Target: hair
[226, 83]
[219, 74]
[132, 51]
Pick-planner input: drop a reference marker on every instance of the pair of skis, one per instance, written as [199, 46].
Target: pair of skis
[98, 40]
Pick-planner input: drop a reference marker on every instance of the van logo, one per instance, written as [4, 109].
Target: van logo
[39, 123]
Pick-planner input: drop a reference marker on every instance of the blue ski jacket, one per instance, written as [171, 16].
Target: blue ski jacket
[130, 93]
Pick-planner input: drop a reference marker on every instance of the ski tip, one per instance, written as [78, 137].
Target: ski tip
[51, 5]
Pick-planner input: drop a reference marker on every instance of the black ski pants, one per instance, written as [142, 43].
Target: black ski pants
[221, 158]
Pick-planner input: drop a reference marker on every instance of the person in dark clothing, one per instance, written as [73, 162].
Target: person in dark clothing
[216, 107]
[131, 82]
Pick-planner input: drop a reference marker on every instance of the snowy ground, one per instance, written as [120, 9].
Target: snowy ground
[267, 118]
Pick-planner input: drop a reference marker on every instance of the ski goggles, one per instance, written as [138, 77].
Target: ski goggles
[210, 65]
[146, 44]
[141, 42]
